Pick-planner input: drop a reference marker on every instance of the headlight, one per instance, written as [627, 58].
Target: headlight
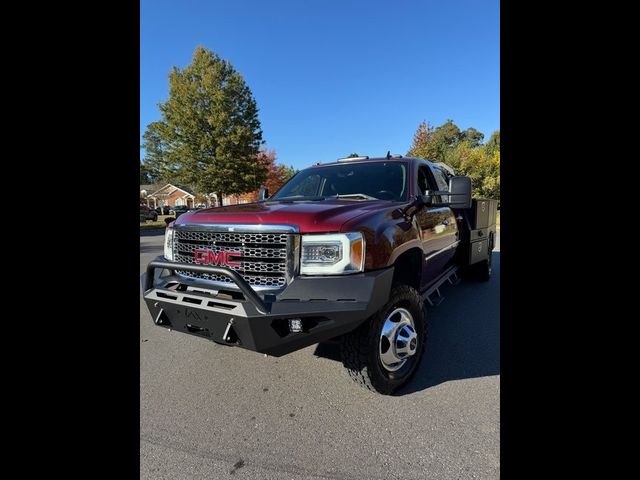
[332, 254]
[168, 244]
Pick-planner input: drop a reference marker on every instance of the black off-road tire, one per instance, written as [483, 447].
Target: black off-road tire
[360, 348]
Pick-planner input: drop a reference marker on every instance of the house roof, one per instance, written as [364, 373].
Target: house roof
[184, 189]
[149, 188]
[174, 187]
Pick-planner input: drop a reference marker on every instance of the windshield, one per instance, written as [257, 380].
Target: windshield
[357, 181]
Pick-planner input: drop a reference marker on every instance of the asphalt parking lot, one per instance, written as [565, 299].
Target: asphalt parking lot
[210, 411]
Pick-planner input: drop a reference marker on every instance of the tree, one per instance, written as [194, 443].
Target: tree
[156, 161]
[210, 134]
[445, 137]
[493, 144]
[448, 134]
[480, 165]
[472, 136]
[277, 174]
[464, 151]
[285, 172]
[145, 177]
[433, 144]
[421, 141]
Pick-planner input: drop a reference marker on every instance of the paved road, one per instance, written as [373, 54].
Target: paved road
[209, 411]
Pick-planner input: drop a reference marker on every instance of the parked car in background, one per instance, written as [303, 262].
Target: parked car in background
[147, 213]
[163, 210]
[179, 210]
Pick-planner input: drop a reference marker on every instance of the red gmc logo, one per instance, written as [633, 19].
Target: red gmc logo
[221, 258]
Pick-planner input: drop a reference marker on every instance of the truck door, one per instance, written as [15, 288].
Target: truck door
[438, 228]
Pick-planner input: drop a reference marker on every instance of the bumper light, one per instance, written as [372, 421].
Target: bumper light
[295, 325]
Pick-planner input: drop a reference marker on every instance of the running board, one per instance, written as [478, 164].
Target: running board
[434, 302]
[454, 279]
[450, 275]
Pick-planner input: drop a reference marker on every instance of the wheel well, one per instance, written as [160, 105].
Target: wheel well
[408, 268]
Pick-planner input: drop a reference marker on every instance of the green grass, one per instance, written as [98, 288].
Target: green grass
[152, 225]
[160, 224]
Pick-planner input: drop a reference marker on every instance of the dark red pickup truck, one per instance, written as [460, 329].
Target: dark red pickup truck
[347, 251]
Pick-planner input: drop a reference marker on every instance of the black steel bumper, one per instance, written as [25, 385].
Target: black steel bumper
[327, 306]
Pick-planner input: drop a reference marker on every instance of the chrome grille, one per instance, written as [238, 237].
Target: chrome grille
[263, 256]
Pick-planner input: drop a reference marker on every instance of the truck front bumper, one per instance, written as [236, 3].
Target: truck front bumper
[326, 306]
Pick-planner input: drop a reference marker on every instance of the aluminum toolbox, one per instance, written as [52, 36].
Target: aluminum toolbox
[478, 229]
[480, 234]
[478, 251]
[483, 213]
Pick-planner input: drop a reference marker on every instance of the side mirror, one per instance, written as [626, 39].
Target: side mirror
[460, 192]
[263, 193]
[458, 195]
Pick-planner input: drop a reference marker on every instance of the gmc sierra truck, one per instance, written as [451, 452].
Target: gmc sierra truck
[347, 251]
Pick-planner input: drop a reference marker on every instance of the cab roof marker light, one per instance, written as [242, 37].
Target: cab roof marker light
[348, 159]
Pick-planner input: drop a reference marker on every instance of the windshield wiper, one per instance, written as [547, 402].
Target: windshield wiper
[301, 198]
[354, 195]
[296, 198]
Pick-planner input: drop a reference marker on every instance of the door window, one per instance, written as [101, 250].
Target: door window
[442, 182]
[423, 180]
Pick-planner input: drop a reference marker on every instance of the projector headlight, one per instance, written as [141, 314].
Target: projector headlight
[168, 244]
[332, 254]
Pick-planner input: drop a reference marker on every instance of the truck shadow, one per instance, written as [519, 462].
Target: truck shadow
[463, 335]
[148, 248]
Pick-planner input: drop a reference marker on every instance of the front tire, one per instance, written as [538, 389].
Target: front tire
[385, 351]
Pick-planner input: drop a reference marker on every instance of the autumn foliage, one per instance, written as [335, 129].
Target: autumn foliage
[277, 174]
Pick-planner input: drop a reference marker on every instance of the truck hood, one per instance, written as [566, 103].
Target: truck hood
[311, 216]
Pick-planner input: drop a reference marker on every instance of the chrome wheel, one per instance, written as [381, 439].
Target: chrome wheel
[398, 340]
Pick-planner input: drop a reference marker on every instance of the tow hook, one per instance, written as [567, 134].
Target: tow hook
[225, 335]
[229, 335]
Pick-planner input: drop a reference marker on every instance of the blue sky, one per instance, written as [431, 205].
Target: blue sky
[334, 77]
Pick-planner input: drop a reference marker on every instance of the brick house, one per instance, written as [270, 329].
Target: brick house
[173, 195]
[169, 194]
[237, 199]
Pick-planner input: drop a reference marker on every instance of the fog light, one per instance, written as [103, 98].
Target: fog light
[295, 325]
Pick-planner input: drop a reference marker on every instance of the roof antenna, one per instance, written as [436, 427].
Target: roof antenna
[388, 154]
